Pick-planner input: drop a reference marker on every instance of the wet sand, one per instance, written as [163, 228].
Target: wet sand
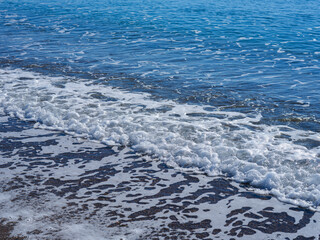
[56, 186]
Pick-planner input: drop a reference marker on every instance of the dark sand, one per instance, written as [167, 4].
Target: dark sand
[55, 186]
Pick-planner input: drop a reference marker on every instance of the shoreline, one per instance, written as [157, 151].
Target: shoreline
[57, 186]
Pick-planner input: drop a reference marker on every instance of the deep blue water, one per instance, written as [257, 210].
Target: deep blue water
[249, 56]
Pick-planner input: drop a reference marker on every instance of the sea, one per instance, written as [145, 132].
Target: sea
[140, 119]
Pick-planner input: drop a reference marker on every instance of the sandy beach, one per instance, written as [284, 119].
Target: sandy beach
[56, 186]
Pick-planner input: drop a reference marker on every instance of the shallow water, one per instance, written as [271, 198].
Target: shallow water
[55, 186]
[227, 87]
[257, 56]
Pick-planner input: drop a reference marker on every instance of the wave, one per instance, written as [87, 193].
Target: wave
[185, 135]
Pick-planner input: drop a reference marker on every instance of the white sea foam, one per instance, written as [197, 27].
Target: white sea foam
[185, 135]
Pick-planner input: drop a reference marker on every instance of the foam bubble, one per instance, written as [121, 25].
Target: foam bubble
[184, 135]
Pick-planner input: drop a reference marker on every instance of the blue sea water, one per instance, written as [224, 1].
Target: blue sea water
[241, 55]
[229, 86]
